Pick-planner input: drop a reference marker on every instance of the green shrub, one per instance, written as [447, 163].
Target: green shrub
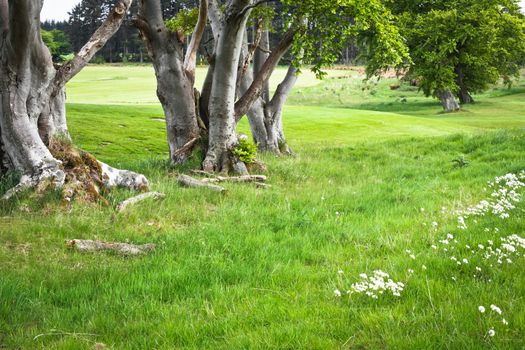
[246, 150]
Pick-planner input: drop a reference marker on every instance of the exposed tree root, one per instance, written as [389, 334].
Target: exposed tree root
[184, 153]
[188, 181]
[46, 177]
[257, 180]
[137, 199]
[121, 248]
[79, 174]
[243, 178]
[224, 162]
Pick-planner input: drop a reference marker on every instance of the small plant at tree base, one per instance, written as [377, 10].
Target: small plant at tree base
[246, 150]
[461, 162]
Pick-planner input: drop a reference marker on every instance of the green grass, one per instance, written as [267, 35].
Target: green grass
[258, 268]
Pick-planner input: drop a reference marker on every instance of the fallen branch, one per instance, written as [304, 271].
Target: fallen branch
[188, 181]
[203, 173]
[243, 178]
[122, 248]
[137, 199]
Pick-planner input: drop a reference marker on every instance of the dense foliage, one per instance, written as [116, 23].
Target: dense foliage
[463, 45]
[326, 28]
[58, 43]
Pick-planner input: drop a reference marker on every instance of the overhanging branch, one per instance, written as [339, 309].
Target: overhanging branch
[254, 5]
[244, 104]
[190, 61]
[97, 41]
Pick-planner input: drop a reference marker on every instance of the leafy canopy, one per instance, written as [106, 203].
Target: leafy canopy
[326, 26]
[462, 44]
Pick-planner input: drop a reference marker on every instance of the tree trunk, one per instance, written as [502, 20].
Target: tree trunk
[464, 96]
[265, 115]
[463, 93]
[175, 87]
[26, 75]
[448, 101]
[274, 112]
[32, 106]
[222, 130]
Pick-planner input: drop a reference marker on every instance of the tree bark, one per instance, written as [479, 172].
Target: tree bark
[32, 96]
[448, 101]
[222, 130]
[266, 116]
[463, 93]
[175, 76]
[464, 96]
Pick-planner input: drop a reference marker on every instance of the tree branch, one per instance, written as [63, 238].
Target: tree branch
[243, 105]
[251, 49]
[97, 41]
[254, 5]
[216, 18]
[190, 61]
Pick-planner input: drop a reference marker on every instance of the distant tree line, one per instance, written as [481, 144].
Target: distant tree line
[66, 37]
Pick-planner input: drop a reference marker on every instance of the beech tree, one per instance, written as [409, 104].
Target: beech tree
[315, 32]
[232, 87]
[460, 47]
[32, 92]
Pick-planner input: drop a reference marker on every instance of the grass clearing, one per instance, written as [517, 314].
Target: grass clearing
[258, 268]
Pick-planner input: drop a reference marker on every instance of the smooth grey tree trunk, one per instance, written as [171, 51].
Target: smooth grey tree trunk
[175, 83]
[266, 114]
[32, 95]
[448, 101]
[222, 128]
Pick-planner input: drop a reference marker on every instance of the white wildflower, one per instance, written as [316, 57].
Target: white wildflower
[481, 309]
[496, 309]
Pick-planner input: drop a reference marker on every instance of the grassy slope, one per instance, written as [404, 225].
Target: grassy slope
[257, 269]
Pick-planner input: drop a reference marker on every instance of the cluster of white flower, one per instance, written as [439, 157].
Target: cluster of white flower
[505, 194]
[511, 247]
[495, 310]
[376, 285]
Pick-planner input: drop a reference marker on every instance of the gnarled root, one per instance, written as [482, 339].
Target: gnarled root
[188, 181]
[48, 175]
[224, 162]
[79, 174]
[123, 178]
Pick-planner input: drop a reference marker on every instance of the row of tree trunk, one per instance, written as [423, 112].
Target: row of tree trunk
[233, 87]
[32, 89]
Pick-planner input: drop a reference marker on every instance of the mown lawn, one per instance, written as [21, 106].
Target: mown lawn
[373, 178]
